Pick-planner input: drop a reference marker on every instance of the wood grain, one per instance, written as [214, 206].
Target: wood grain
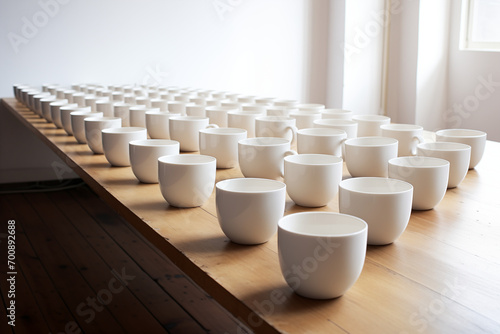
[441, 275]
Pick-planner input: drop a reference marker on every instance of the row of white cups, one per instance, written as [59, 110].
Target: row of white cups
[393, 169]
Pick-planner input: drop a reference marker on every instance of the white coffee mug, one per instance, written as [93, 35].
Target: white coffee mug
[474, 138]
[321, 254]
[186, 180]
[350, 127]
[321, 141]
[369, 156]
[457, 154]
[157, 123]
[369, 125]
[428, 176]
[312, 180]
[276, 126]
[248, 209]
[185, 129]
[93, 130]
[408, 136]
[115, 144]
[222, 143]
[244, 120]
[385, 204]
[262, 157]
[144, 155]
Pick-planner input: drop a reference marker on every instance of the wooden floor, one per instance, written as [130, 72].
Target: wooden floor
[82, 269]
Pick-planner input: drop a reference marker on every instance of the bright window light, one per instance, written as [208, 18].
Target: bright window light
[480, 25]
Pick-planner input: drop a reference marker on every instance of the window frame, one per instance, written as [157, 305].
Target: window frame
[466, 27]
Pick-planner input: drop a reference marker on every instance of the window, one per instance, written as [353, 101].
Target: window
[480, 26]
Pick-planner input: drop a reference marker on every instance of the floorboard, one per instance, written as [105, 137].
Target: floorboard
[82, 268]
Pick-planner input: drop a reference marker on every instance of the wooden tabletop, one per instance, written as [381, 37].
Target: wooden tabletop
[441, 276]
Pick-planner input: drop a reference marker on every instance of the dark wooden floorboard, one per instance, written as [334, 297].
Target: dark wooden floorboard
[73, 250]
[211, 315]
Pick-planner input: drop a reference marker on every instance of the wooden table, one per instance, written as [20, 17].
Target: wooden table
[441, 276]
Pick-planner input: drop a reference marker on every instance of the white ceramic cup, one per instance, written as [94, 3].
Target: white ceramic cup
[244, 120]
[369, 125]
[222, 143]
[78, 125]
[276, 126]
[196, 110]
[157, 123]
[262, 157]
[93, 130]
[186, 130]
[312, 180]
[305, 118]
[161, 104]
[106, 107]
[429, 177]
[275, 110]
[457, 154]
[122, 110]
[137, 115]
[350, 127]
[45, 104]
[37, 104]
[55, 111]
[177, 107]
[186, 180]
[218, 115]
[368, 156]
[384, 204]
[115, 142]
[321, 254]
[248, 209]
[144, 155]
[474, 138]
[316, 107]
[66, 117]
[336, 114]
[320, 141]
[408, 136]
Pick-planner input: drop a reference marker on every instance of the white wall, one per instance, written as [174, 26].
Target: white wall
[255, 47]
[363, 52]
[473, 85]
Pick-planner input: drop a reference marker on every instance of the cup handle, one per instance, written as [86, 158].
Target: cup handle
[211, 126]
[419, 140]
[293, 129]
[287, 153]
[342, 143]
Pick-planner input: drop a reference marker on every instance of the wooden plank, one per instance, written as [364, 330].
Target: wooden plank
[397, 283]
[72, 287]
[195, 301]
[111, 292]
[153, 299]
[49, 303]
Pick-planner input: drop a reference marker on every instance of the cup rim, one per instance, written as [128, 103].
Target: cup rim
[188, 118]
[351, 183]
[274, 118]
[101, 118]
[378, 141]
[154, 142]
[186, 159]
[263, 141]
[362, 225]
[334, 121]
[450, 146]
[298, 159]
[436, 162]
[471, 133]
[85, 113]
[124, 129]
[401, 127]
[159, 112]
[370, 118]
[275, 185]
[223, 131]
[336, 111]
[326, 132]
